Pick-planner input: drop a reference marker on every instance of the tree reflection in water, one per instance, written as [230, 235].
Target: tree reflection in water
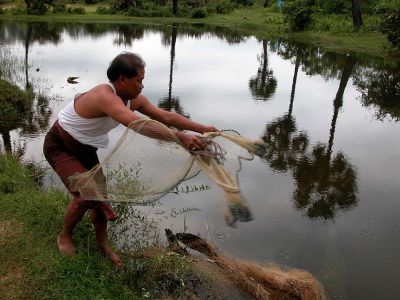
[171, 103]
[380, 89]
[263, 85]
[323, 184]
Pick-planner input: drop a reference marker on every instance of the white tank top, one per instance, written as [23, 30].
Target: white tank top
[93, 131]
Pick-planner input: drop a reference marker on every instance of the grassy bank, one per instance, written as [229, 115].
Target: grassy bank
[32, 267]
[257, 21]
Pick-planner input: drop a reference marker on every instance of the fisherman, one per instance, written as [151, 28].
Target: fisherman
[82, 127]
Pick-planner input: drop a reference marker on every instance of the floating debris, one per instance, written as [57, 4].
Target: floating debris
[72, 80]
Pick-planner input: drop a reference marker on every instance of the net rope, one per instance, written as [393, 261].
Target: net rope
[148, 162]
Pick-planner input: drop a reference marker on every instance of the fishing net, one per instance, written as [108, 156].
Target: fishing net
[148, 162]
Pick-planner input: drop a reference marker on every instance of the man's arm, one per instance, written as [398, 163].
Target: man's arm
[170, 118]
[112, 105]
[189, 141]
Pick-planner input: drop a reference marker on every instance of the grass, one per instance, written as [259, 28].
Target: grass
[32, 267]
[257, 21]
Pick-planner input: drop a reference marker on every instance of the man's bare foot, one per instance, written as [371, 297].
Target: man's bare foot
[107, 252]
[65, 245]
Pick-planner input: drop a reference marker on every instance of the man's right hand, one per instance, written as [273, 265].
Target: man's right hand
[190, 142]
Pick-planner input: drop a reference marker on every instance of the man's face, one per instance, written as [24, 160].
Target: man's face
[135, 85]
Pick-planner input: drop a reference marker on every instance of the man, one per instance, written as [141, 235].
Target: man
[82, 127]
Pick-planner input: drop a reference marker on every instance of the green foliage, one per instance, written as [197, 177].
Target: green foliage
[224, 7]
[37, 7]
[149, 11]
[164, 273]
[333, 6]
[391, 27]
[186, 8]
[59, 7]
[299, 13]
[79, 10]
[103, 10]
[198, 13]
[383, 7]
[244, 2]
[13, 176]
[14, 103]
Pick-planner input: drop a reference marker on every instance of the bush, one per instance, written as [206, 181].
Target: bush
[298, 13]
[147, 11]
[223, 7]
[244, 2]
[386, 7]
[76, 10]
[14, 103]
[102, 10]
[59, 7]
[391, 27]
[37, 7]
[198, 13]
[333, 6]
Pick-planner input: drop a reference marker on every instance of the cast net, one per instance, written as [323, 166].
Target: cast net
[148, 162]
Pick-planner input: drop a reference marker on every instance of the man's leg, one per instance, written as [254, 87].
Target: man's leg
[72, 217]
[100, 226]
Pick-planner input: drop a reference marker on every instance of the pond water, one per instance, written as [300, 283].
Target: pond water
[325, 196]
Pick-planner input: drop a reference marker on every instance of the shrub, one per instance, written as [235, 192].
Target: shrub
[198, 13]
[386, 7]
[14, 103]
[333, 6]
[244, 2]
[103, 10]
[391, 27]
[298, 13]
[59, 7]
[76, 10]
[223, 7]
[37, 7]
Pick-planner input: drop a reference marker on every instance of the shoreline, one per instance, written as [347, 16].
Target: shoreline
[372, 44]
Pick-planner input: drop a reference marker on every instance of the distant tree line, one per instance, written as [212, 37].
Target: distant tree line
[300, 14]
[141, 8]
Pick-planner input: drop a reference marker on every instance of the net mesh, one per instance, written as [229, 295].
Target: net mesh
[148, 161]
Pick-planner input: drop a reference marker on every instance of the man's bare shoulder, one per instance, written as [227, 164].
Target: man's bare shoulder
[102, 90]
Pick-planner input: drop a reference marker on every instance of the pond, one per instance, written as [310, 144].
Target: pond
[323, 198]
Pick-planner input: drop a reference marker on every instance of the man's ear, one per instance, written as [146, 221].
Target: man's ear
[121, 79]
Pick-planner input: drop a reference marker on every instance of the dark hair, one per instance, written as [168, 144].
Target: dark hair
[125, 64]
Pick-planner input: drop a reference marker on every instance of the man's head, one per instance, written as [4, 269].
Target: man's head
[126, 64]
[126, 72]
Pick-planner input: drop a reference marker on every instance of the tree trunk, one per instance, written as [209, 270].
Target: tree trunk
[175, 7]
[356, 11]
[266, 3]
